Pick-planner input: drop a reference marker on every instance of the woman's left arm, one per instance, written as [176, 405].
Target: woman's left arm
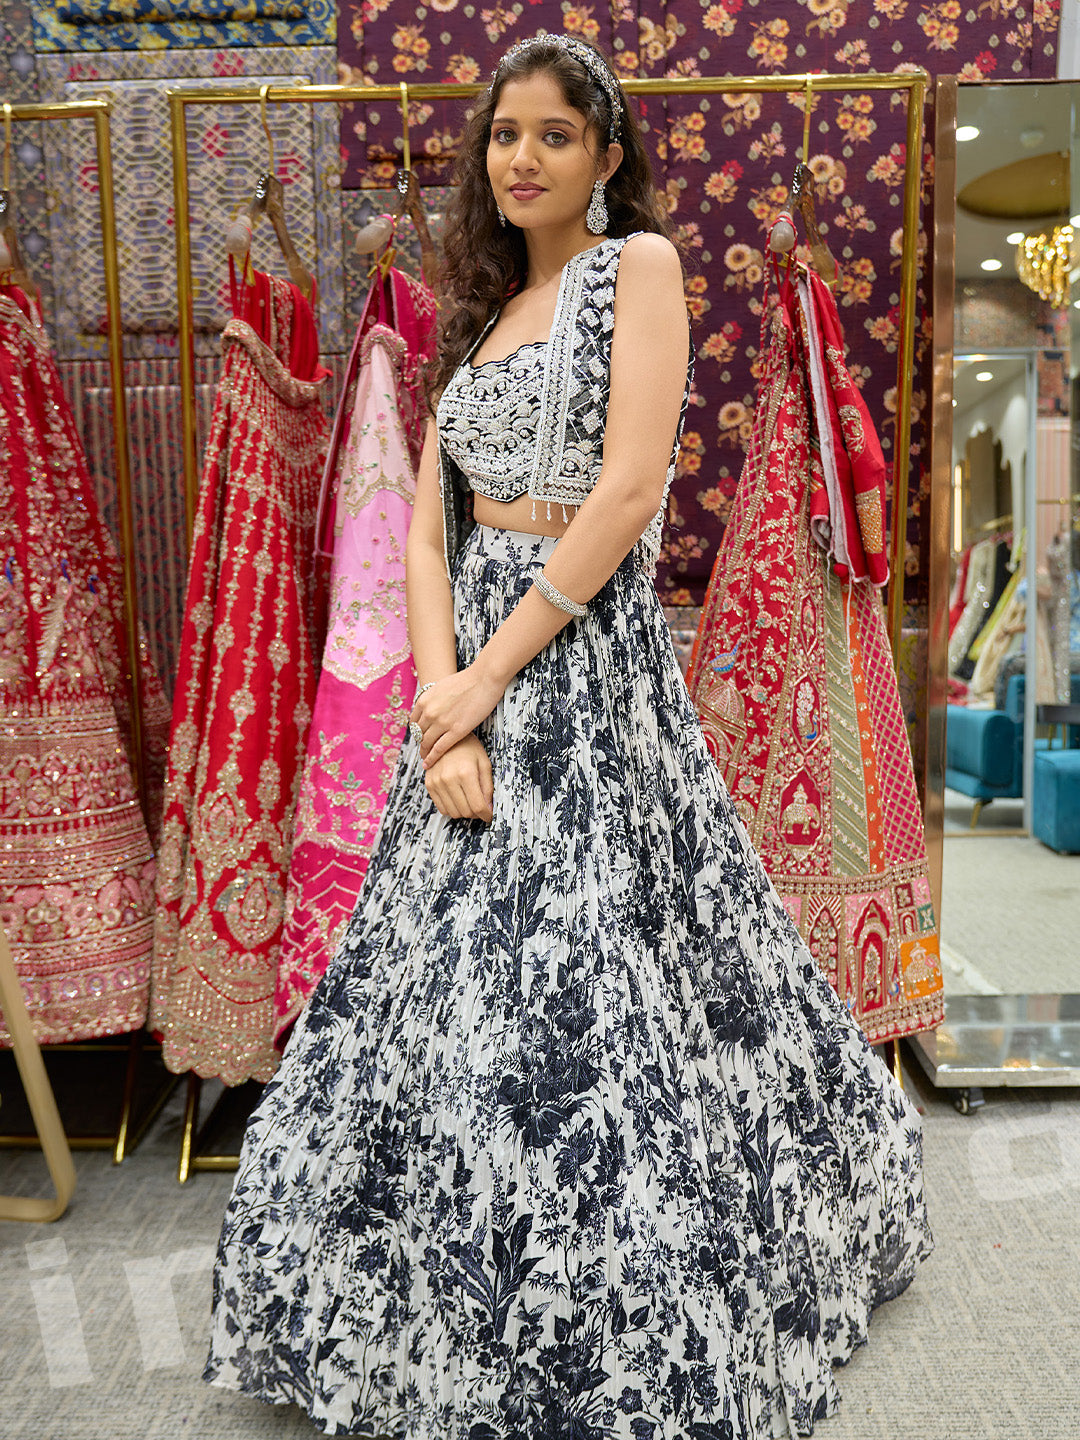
[649, 352]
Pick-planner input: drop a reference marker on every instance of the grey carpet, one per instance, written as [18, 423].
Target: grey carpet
[1010, 909]
[105, 1312]
[996, 815]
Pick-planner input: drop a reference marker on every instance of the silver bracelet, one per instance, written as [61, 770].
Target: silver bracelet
[420, 692]
[556, 597]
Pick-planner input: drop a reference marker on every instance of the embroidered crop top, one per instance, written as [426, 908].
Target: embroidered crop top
[488, 419]
[561, 461]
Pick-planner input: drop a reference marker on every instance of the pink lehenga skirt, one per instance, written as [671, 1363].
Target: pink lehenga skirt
[76, 865]
[367, 682]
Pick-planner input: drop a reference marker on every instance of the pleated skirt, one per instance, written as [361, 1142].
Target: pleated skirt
[573, 1140]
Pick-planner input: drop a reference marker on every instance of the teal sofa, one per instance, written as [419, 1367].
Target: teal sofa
[984, 749]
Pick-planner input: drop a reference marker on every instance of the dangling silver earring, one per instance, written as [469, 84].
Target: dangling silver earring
[596, 217]
[502, 217]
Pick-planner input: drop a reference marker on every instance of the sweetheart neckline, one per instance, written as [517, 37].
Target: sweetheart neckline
[504, 358]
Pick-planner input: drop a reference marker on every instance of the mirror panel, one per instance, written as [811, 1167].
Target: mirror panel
[1010, 494]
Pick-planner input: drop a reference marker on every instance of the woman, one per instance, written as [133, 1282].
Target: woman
[573, 1139]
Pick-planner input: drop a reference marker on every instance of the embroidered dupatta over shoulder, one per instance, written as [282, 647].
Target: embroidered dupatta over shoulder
[576, 388]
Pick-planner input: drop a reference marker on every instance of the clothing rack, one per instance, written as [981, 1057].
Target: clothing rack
[51, 1137]
[999, 522]
[122, 1141]
[913, 83]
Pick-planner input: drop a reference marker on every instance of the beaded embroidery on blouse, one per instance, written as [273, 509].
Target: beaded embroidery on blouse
[563, 464]
[488, 420]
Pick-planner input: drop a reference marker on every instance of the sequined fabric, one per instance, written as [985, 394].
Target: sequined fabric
[794, 682]
[367, 681]
[244, 696]
[566, 442]
[479, 401]
[76, 866]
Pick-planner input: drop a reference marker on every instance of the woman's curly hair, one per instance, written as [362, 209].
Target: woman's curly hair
[483, 261]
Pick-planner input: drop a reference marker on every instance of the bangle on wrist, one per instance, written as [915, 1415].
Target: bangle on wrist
[556, 597]
[420, 692]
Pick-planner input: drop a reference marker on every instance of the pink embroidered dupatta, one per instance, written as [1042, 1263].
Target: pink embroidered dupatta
[794, 683]
[368, 681]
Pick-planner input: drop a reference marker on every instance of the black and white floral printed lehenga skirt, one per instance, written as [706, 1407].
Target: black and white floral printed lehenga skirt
[573, 1141]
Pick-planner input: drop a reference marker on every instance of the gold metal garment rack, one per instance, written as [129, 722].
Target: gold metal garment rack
[941, 477]
[98, 111]
[39, 1096]
[912, 82]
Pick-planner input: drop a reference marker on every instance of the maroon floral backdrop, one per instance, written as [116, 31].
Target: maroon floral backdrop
[723, 163]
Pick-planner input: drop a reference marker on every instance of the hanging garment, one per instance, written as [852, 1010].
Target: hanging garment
[794, 683]
[244, 694]
[1011, 637]
[990, 575]
[1063, 609]
[958, 594]
[847, 488]
[976, 606]
[1001, 605]
[572, 1138]
[998, 636]
[367, 681]
[76, 867]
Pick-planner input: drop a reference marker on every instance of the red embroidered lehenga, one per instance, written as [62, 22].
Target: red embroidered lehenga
[76, 866]
[367, 681]
[793, 679]
[244, 695]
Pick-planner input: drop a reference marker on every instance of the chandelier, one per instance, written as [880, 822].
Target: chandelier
[1043, 263]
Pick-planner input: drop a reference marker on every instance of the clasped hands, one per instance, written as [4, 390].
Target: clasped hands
[457, 770]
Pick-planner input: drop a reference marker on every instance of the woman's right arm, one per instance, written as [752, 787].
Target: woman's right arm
[460, 785]
[429, 607]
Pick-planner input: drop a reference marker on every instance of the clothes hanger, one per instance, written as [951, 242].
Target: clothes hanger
[411, 196]
[782, 239]
[379, 231]
[11, 261]
[268, 200]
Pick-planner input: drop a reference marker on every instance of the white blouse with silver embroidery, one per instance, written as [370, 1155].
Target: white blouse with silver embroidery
[488, 418]
[560, 461]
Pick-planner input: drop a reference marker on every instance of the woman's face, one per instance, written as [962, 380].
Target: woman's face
[541, 170]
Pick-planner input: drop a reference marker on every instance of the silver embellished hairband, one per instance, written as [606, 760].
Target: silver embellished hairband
[584, 55]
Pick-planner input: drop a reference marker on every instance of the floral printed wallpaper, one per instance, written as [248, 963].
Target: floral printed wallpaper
[723, 163]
